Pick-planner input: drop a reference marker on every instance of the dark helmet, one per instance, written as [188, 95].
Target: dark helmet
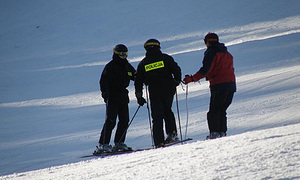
[121, 50]
[211, 38]
[151, 43]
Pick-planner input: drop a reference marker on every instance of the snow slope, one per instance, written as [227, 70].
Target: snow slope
[51, 112]
[264, 154]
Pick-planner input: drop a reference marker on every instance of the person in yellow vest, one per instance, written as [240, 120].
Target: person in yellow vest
[161, 74]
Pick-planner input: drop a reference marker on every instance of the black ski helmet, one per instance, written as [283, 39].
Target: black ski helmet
[212, 38]
[120, 49]
[151, 43]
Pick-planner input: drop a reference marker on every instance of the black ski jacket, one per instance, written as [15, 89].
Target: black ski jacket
[160, 72]
[115, 79]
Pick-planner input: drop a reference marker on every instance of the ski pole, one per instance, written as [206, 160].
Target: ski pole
[104, 126]
[152, 138]
[178, 115]
[187, 109]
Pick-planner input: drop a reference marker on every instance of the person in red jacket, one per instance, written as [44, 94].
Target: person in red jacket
[218, 70]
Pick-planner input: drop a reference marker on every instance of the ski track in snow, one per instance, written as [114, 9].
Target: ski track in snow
[247, 82]
[242, 34]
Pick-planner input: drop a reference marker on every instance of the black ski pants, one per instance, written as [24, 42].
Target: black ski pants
[216, 116]
[114, 109]
[161, 109]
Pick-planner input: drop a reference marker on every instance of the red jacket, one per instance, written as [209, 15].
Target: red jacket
[218, 69]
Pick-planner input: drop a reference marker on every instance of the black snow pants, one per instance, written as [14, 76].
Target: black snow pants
[114, 109]
[161, 109]
[216, 116]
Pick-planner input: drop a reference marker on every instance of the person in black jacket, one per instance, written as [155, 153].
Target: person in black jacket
[218, 70]
[161, 74]
[114, 80]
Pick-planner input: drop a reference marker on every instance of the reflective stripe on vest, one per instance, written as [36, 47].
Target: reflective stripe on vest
[156, 65]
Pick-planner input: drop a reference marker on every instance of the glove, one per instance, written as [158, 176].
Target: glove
[141, 101]
[187, 79]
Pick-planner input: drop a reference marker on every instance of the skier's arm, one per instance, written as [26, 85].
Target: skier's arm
[139, 80]
[206, 67]
[176, 71]
[132, 72]
[104, 84]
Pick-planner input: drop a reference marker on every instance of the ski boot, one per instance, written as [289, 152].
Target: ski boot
[222, 134]
[121, 147]
[161, 145]
[103, 148]
[213, 135]
[172, 137]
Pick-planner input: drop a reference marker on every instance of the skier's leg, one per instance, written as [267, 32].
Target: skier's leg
[110, 122]
[157, 116]
[215, 110]
[123, 123]
[227, 102]
[169, 117]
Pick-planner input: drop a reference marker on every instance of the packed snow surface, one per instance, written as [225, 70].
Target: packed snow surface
[51, 113]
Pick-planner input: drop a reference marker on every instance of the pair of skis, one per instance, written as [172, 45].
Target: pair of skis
[106, 154]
